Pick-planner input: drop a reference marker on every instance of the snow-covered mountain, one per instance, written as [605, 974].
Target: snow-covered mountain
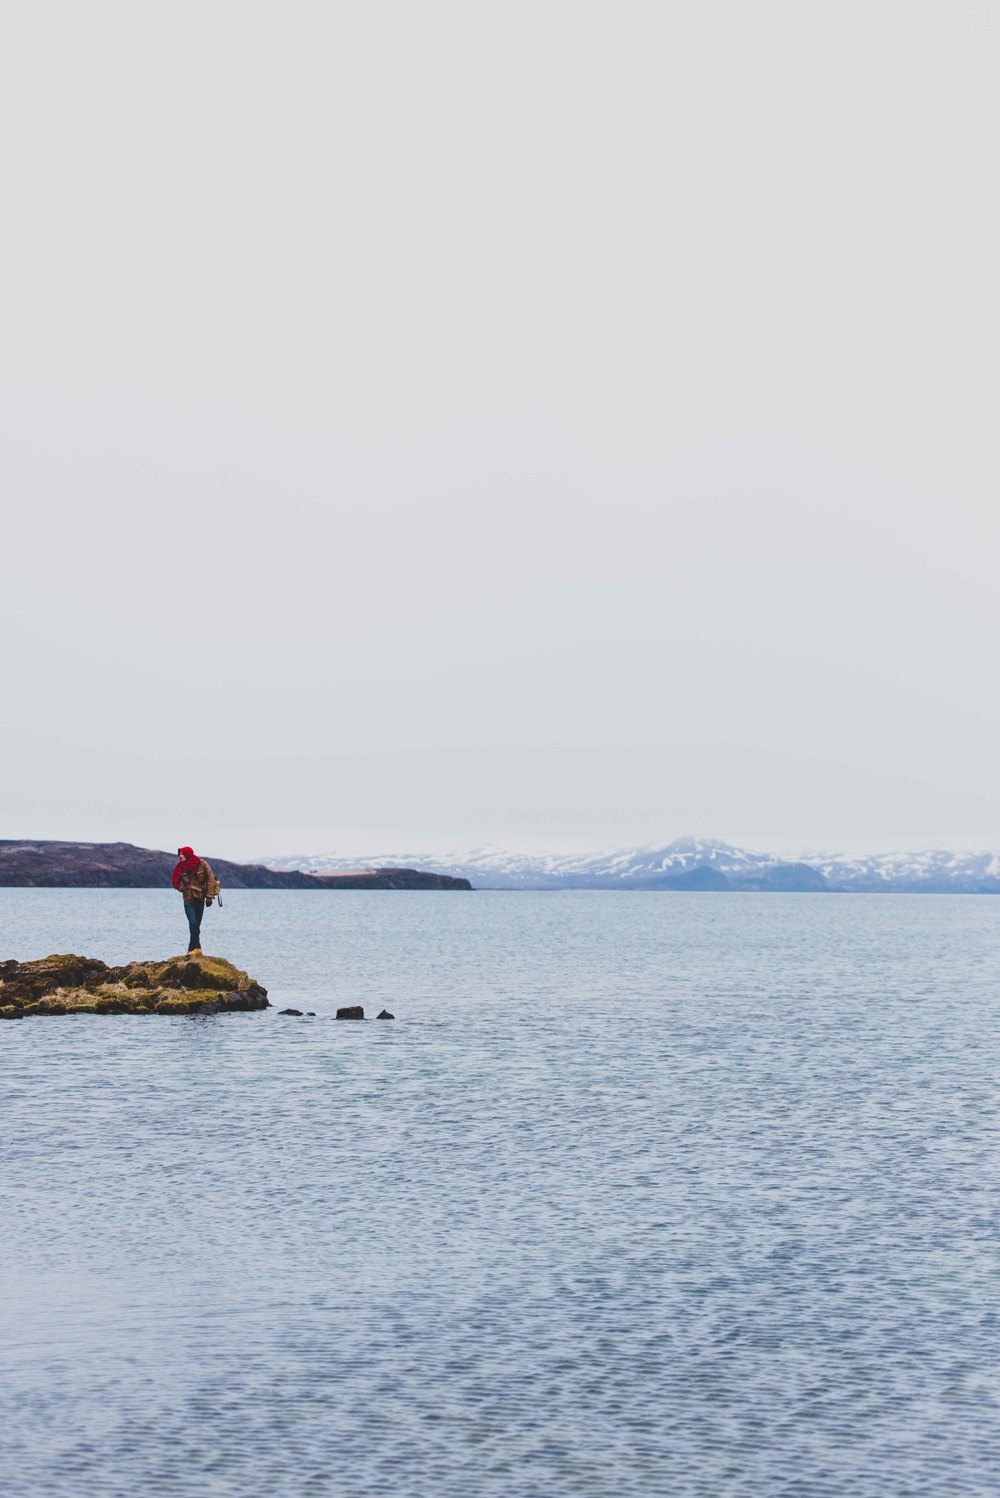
[692, 863]
[933, 870]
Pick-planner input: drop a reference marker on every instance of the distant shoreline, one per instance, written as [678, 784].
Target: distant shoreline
[689, 865]
[697, 864]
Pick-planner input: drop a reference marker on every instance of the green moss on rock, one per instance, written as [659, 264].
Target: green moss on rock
[67, 984]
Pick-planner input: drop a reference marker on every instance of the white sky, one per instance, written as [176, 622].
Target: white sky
[552, 425]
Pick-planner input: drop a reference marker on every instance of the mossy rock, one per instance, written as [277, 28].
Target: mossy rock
[67, 984]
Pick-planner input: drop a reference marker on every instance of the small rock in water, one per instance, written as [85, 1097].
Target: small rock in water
[291, 1011]
[310, 1014]
[353, 1011]
[385, 1015]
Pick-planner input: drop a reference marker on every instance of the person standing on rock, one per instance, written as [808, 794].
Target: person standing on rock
[199, 887]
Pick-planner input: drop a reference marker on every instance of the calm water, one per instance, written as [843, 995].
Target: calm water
[641, 1193]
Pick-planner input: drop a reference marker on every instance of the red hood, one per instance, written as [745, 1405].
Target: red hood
[188, 860]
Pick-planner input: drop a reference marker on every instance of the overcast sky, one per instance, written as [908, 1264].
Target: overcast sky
[548, 424]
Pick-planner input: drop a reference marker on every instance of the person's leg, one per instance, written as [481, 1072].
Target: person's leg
[194, 910]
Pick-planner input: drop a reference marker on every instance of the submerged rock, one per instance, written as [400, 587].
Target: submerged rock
[353, 1011]
[385, 1015]
[69, 984]
[296, 1012]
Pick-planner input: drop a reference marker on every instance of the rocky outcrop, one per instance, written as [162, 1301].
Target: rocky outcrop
[84, 985]
[123, 866]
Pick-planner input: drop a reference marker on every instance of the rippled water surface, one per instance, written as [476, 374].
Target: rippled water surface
[640, 1193]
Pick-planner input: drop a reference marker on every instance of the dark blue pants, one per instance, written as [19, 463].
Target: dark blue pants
[194, 910]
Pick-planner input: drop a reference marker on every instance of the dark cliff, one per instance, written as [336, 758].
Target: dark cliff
[387, 879]
[123, 866]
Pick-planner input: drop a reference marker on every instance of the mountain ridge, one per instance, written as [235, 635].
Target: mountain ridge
[676, 865]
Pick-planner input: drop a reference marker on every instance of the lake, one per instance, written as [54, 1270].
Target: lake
[638, 1194]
